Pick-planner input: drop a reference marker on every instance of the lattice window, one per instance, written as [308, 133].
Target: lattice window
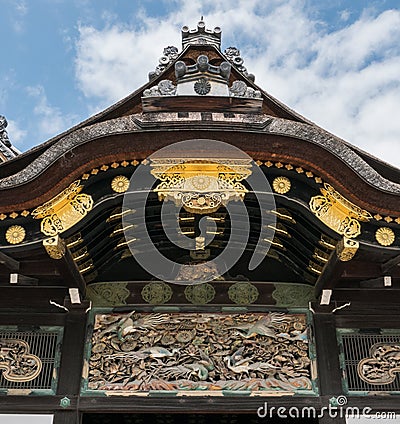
[29, 359]
[369, 361]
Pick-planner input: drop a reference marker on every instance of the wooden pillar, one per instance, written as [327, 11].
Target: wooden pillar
[67, 417]
[327, 349]
[71, 363]
[330, 420]
[329, 372]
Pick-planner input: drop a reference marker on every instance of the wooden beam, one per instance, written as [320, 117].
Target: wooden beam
[382, 295]
[330, 274]
[364, 270]
[31, 297]
[70, 273]
[391, 264]
[34, 405]
[200, 404]
[39, 317]
[16, 278]
[10, 263]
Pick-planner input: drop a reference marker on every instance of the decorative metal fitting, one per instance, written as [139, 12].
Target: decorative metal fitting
[65, 402]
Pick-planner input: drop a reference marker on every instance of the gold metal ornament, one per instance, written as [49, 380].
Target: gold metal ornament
[346, 249]
[64, 210]
[201, 186]
[55, 247]
[338, 213]
[120, 184]
[281, 185]
[384, 236]
[15, 234]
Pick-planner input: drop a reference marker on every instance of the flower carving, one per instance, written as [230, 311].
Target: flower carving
[281, 185]
[120, 184]
[15, 234]
[384, 236]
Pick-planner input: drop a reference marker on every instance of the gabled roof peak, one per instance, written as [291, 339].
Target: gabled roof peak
[201, 35]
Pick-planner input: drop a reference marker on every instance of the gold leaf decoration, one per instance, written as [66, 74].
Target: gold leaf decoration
[346, 249]
[55, 247]
[15, 234]
[64, 210]
[200, 186]
[243, 293]
[384, 236]
[120, 184]
[157, 292]
[338, 213]
[281, 185]
[200, 294]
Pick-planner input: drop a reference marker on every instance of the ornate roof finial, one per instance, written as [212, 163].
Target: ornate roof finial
[233, 55]
[170, 54]
[201, 35]
[7, 151]
[3, 132]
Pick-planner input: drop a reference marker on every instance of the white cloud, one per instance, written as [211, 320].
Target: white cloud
[21, 10]
[345, 15]
[114, 62]
[51, 120]
[16, 133]
[345, 80]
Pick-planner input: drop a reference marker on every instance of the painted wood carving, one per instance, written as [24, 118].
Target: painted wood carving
[16, 362]
[199, 352]
[383, 364]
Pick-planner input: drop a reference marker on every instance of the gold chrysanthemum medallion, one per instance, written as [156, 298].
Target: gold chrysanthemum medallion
[384, 236]
[15, 234]
[120, 184]
[281, 185]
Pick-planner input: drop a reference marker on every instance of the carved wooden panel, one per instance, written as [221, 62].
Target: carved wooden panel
[203, 352]
[28, 360]
[371, 361]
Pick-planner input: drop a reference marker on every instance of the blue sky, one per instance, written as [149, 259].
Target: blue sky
[336, 62]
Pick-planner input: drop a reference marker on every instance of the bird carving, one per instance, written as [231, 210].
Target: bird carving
[238, 364]
[143, 323]
[263, 327]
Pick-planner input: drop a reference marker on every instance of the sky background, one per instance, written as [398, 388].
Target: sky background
[336, 62]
